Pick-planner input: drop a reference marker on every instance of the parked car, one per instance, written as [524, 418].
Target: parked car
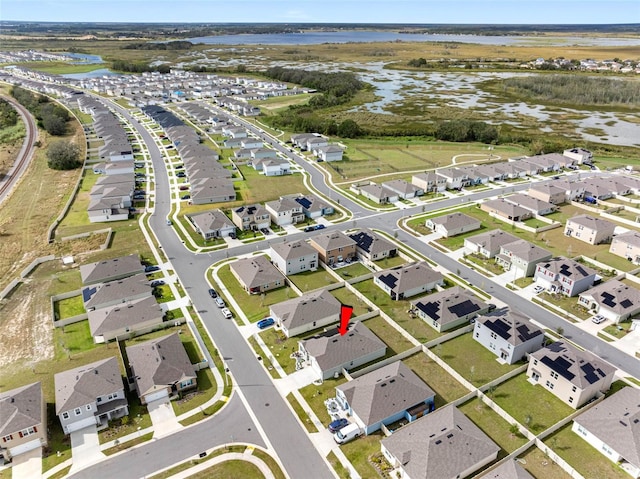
[179, 167]
[232, 235]
[598, 318]
[181, 174]
[169, 222]
[138, 197]
[186, 197]
[320, 227]
[157, 282]
[538, 289]
[266, 322]
[220, 302]
[183, 187]
[213, 293]
[309, 228]
[226, 312]
[264, 231]
[151, 268]
[338, 424]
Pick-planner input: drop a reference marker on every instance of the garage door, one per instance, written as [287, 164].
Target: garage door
[22, 448]
[76, 426]
[156, 395]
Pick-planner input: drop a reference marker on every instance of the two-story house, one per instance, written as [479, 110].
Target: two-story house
[251, 217]
[334, 247]
[285, 211]
[566, 276]
[589, 229]
[293, 257]
[429, 182]
[627, 245]
[23, 420]
[521, 257]
[488, 244]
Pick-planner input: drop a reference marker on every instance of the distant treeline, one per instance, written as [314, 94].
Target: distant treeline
[176, 45]
[138, 67]
[8, 114]
[578, 90]
[52, 117]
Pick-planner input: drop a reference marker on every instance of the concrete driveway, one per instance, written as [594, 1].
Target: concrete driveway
[27, 465]
[163, 418]
[85, 448]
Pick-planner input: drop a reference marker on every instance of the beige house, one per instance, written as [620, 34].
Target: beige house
[251, 217]
[448, 309]
[589, 229]
[614, 300]
[334, 247]
[307, 312]
[372, 246]
[285, 211]
[161, 368]
[23, 420]
[549, 193]
[292, 257]
[406, 281]
[212, 224]
[257, 275]
[505, 209]
[453, 224]
[429, 182]
[627, 245]
[521, 256]
[488, 244]
[572, 375]
[132, 318]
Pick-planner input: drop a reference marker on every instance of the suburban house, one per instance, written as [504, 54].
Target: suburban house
[503, 209]
[444, 444]
[334, 247]
[301, 139]
[257, 274]
[314, 207]
[212, 224]
[521, 256]
[251, 217]
[580, 155]
[589, 229]
[488, 244]
[272, 166]
[403, 189]
[133, 318]
[453, 224]
[612, 427]
[103, 295]
[566, 276]
[111, 269]
[371, 246]
[386, 395]
[405, 281]
[429, 182]
[572, 375]
[627, 245]
[90, 395]
[455, 178]
[330, 352]
[509, 335]
[549, 193]
[507, 470]
[376, 193]
[614, 300]
[23, 420]
[212, 190]
[160, 368]
[329, 153]
[573, 190]
[293, 257]
[285, 211]
[448, 309]
[535, 205]
[307, 312]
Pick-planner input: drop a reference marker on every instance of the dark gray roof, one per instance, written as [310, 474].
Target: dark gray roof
[115, 290]
[256, 271]
[408, 277]
[370, 242]
[513, 326]
[104, 270]
[306, 309]
[449, 305]
[104, 320]
[20, 408]
[508, 470]
[290, 250]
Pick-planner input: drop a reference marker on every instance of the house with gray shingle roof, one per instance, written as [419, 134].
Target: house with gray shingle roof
[488, 244]
[23, 420]
[334, 247]
[285, 211]
[293, 257]
[535, 205]
[372, 246]
[257, 274]
[377, 193]
[504, 209]
[111, 269]
[403, 188]
[331, 352]
[627, 245]
[614, 300]
[429, 182]
[510, 335]
[308, 312]
[589, 229]
[443, 444]
[563, 275]
[509, 469]
[522, 257]
[120, 291]
[212, 190]
[453, 224]
[89, 395]
[212, 224]
[405, 281]
[384, 396]
[572, 375]
[132, 318]
[549, 193]
[448, 309]
[161, 368]
[612, 427]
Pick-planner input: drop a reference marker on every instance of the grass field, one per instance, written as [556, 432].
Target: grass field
[540, 466]
[396, 343]
[66, 308]
[310, 280]
[447, 389]
[230, 468]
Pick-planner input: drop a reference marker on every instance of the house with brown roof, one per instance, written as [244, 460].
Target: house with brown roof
[453, 224]
[448, 309]
[111, 269]
[292, 257]
[371, 246]
[406, 281]
[89, 395]
[612, 427]
[614, 300]
[330, 352]
[131, 319]
[589, 229]
[572, 375]
[251, 217]
[627, 245]
[212, 224]
[443, 444]
[521, 256]
[488, 244]
[504, 209]
[23, 420]
[307, 312]
[509, 335]
[565, 276]
[334, 247]
[160, 368]
[257, 274]
[386, 395]
[429, 182]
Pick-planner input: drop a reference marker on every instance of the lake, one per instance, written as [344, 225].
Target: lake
[92, 74]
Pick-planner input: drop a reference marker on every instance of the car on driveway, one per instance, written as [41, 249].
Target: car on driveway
[226, 312]
[157, 282]
[338, 424]
[213, 293]
[264, 231]
[186, 197]
[538, 289]
[266, 322]
[598, 318]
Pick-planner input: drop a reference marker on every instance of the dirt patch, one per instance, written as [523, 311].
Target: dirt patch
[8, 154]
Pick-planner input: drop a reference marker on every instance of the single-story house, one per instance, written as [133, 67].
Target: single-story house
[614, 300]
[371, 246]
[377, 193]
[448, 309]
[212, 190]
[212, 224]
[307, 312]
[488, 244]
[103, 295]
[133, 318]
[406, 281]
[23, 420]
[535, 205]
[314, 207]
[504, 209]
[403, 189]
[257, 274]
[111, 269]
[453, 224]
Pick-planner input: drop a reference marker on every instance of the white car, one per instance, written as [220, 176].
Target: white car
[598, 318]
[226, 312]
[538, 289]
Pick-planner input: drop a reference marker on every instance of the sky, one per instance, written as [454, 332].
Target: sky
[326, 11]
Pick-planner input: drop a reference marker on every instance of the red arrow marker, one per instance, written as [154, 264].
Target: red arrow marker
[345, 316]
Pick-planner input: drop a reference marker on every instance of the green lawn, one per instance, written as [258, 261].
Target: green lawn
[541, 409]
[540, 466]
[310, 280]
[304, 419]
[353, 270]
[618, 330]
[345, 296]
[73, 339]
[447, 389]
[229, 469]
[455, 242]
[395, 342]
[360, 451]
[254, 306]
[471, 360]
[397, 310]
[488, 264]
[316, 395]
[386, 263]
[164, 294]
[340, 470]
[587, 460]
[206, 389]
[281, 347]
[569, 304]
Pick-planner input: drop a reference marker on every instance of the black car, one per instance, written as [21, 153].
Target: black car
[157, 282]
[264, 231]
[181, 174]
[186, 197]
[212, 293]
[151, 268]
[309, 228]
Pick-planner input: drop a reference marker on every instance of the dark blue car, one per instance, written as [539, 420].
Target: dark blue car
[265, 323]
[338, 424]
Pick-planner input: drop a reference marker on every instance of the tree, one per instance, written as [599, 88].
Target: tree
[348, 129]
[63, 155]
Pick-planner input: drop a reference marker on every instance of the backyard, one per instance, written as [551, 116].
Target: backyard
[396, 343]
[310, 280]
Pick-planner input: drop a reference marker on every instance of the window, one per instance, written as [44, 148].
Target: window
[573, 389]
[7, 438]
[28, 432]
[88, 407]
[77, 411]
[570, 400]
[65, 415]
[549, 384]
[554, 375]
[477, 335]
[535, 362]
[99, 399]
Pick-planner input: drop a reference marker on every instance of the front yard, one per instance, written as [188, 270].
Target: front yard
[569, 304]
[316, 395]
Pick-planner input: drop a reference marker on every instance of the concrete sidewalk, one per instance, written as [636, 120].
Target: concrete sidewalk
[231, 456]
